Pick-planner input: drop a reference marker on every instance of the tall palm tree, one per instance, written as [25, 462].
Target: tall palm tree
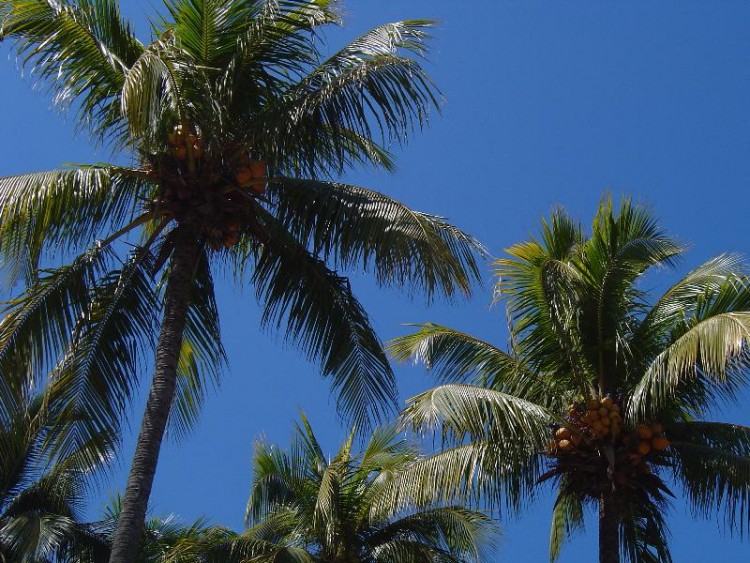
[221, 114]
[306, 507]
[601, 389]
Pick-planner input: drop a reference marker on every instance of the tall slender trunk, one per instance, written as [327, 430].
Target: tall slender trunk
[130, 525]
[609, 527]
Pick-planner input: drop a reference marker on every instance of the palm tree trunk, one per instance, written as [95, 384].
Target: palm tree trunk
[130, 524]
[609, 527]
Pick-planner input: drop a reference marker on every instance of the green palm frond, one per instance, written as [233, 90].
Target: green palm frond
[352, 226]
[567, 518]
[369, 81]
[456, 356]
[370, 505]
[95, 380]
[644, 533]
[712, 349]
[328, 323]
[670, 308]
[80, 50]
[58, 211]
[52, 306]
[465, 410]
[202, 358]
[712, 462]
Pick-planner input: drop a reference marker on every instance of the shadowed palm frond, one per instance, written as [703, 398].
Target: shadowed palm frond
[355, 227]
[322, 315]
[202, 358]
[712, 462]
[567, 518]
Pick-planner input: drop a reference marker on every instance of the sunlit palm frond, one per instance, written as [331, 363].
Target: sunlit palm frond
[59, 211]
[370, 81]
[81, 51]
[670, 308]
[457, 532]
[456, 356]
[713, 349]
[352, 226]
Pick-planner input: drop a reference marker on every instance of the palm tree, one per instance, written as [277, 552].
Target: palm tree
[305, 507]
[601, 390]
[42, 480]
[221, 114]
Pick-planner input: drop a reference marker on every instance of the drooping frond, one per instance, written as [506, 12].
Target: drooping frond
[713, 349]
[59, 212]
[114, 334]
[354, 227]
[567, 519]
[202, 358]
[52, 307]
[455, 356]
[81, 51]
[321, 313]
[712, 462]
[644, 533]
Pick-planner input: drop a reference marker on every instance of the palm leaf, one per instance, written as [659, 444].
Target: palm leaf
[80, 50]
[352, 226]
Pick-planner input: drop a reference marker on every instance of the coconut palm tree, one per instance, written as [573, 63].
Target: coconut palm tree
[234, 124]
[601, 390]
[42, 480]
[306, 507]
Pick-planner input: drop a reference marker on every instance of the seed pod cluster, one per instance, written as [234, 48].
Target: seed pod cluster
[184, 142]
[250, 173]
[595, 425]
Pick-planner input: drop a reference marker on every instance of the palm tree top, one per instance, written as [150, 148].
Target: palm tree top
[602, 389]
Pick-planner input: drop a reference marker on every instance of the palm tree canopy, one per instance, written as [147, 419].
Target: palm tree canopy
[586, 337]
[234, 121]
[305, 506]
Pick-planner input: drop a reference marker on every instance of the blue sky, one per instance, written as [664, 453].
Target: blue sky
[546, 103]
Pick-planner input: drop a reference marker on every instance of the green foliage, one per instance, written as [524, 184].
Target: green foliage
[581, 328]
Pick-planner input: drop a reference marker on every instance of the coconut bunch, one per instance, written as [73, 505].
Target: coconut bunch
[216, 194]
[184, 142]
[593, 448]
[250, 173]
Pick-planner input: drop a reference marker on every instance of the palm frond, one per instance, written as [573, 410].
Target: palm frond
[712, 462]
[352, 226]
[81, 51]
[52, 306]
[95, 380]
[372, 80]
[567, 519]
[58, 211]
[713, 349]
[202, 358]
[325, 319]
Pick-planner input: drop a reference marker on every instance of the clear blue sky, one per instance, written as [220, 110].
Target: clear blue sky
[547, 103]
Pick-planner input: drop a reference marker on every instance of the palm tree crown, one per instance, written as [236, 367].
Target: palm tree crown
[305, 507]
[222, 112]
[602, 390]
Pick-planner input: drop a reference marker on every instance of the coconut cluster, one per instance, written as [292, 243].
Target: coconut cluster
[217, 196]
[578, 445]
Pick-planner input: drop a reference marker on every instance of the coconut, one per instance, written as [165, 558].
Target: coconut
[644, 432]
[643, 448]
[562, 433]
[659, 443]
